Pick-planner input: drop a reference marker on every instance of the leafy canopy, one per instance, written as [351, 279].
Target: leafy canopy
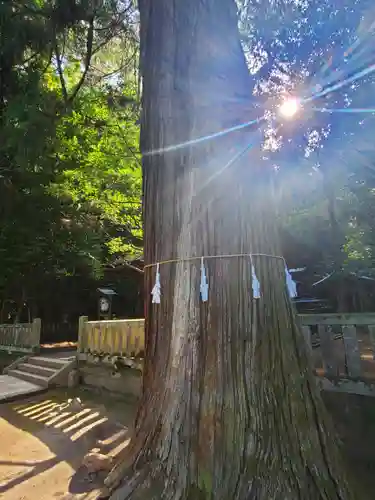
[70, 177]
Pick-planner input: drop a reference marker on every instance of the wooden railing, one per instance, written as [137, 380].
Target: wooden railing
[342, 345]
[21, 337]
[113, 338]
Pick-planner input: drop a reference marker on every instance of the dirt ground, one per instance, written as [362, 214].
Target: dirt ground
[43, 441]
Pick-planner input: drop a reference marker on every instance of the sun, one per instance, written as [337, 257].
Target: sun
[289, 108]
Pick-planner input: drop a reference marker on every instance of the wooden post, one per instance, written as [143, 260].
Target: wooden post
[353, 358]
[81, 331]
[326, 343]
[306, 330]
[36, 329]
[371, 329]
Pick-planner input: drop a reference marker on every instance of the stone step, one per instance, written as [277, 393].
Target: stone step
[54, 363]
[30, 377]
[43, 371]
[12, 388]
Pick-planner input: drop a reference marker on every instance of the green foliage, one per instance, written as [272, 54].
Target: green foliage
[70, 177]
[335, 217]
[102, 173]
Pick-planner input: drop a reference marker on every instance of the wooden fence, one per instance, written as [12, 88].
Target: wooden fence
[20, 337]
[342, 346]
[123, 337]
[343, 350]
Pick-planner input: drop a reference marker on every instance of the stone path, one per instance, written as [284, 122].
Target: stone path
[11, 387]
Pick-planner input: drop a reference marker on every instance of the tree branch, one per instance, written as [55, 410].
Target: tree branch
[60, 72]
[128, 147]
[130, 266]
[89, 51]
[30, 58]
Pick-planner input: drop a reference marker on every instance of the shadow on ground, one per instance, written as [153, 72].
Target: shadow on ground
[69, 432]
[105, 423]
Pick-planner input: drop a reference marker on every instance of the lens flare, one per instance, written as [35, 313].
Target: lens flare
[289, 108]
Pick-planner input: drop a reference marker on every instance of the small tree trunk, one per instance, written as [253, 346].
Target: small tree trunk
[230, 409]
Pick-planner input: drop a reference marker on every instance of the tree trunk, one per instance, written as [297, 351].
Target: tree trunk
[230, 409]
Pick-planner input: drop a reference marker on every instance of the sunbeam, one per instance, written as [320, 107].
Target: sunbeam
[339, 85]
[204, 138]
[350, 55]
[346, 67]
[236, 157]
[345, 110]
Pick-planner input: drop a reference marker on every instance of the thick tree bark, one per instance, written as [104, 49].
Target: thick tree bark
[230, 409]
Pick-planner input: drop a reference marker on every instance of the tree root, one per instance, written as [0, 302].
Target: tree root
[153, 483]
[117, 474]
[144, 485]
